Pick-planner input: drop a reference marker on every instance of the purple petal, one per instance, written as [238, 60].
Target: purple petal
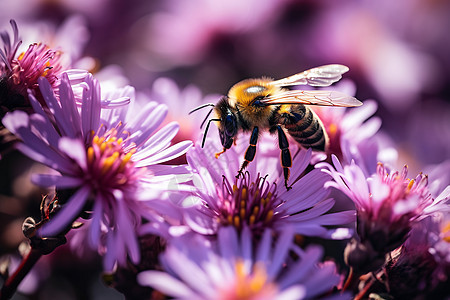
[304, 201]
[196, 219]
[45, 129]
[338, 218]
[309, 229]
[67, 214]
[166, 155]
[166, 284]
[75, 149]
[228, 242]
[302, 268]
[90, 107]
[35, 147]
[317, 210]
[46, 180]
[264, 246]
[315, 281]
[159, 140]
[300, 162]
[94, 230]
[282, 247]
[246, 244]
[126, 228]
[70, 115]
[109, 260]
[149, 119]
[64, 124]
[188, 271]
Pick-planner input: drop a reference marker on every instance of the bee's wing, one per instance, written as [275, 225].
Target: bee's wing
[320, 76]
[326, 98]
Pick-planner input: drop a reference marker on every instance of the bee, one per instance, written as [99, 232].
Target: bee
[256, 104]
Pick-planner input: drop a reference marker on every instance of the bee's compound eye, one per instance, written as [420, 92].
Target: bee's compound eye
[230, 125]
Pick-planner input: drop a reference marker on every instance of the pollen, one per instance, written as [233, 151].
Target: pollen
[410, 185]
[21, 56]
[47, 68]
[250, 283]
[109, 161]
[446, 232]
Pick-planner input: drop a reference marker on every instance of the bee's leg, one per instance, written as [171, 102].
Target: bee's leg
[225, 148]
[251, 150]
[286, 159]
[221, 152]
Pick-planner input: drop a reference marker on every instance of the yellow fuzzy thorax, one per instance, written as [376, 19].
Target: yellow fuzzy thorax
[243, 94]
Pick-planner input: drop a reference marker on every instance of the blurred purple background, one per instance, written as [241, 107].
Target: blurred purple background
[398, 53]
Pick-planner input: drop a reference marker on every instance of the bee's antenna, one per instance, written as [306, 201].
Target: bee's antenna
[201, 106]
[206, 118]
[206, 130]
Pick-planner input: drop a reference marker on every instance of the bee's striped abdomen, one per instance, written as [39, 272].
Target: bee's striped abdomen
[305, 127]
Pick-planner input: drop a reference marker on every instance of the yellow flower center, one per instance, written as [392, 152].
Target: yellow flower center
[446, 232]
[108, 161]
[249, 284]
[249, 204]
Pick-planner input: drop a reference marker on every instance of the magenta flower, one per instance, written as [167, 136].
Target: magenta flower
[108, 158]
[387, 204]
[21, 71]
[238, 268]
[258, 198]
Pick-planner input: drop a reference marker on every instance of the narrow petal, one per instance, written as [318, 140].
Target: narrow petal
[67, 214]
[47, 180]
[94, 230]
[166, 155]
[75, 149]
[166, 284]
[160, 139]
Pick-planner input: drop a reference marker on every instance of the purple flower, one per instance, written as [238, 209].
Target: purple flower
[236, 267]
[20, 72]
[258, 198]
[108, 158]
[387, 204]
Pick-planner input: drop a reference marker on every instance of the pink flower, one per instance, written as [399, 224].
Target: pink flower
[22, 71]
[387, 204]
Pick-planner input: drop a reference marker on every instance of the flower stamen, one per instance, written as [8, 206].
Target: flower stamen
[250, 203]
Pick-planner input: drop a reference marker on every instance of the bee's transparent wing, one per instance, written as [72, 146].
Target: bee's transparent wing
[320, 76]
[325, 98]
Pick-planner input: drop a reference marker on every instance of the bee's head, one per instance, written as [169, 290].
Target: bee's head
[228, 124]
[226, 119]
[228, 130]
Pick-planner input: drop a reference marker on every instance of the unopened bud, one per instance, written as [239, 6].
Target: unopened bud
[361, 257]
